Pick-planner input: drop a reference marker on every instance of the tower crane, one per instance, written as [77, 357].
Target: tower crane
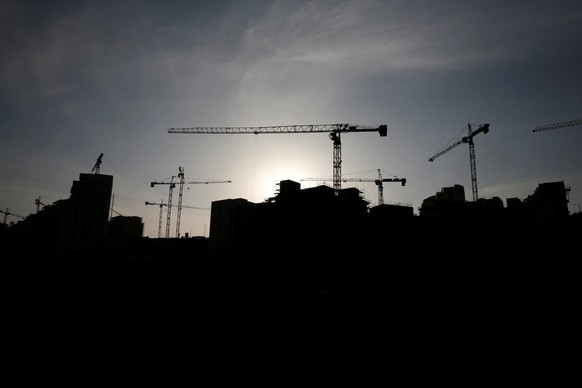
[378, 181]
[467, 139]
[172, 184]
[8, 213]
[562, 124]
[97, 165]
[38, 204]
[334, 130]
[161, 205]
[113, 210]
[116, 212]
[182, 182]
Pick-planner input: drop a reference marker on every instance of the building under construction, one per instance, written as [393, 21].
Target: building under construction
[297, 222]
[83, 217]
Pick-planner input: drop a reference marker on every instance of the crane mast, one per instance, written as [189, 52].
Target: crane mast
[334, 131]
[172, 185]
[38, 204]
[161, 205]
[379, 181]
[169, 212]
[181, 190]
[97, 165]
[469, 140]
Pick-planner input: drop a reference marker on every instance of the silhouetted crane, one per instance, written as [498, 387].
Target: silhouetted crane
[561, 124]
[172, 185]
[8, 213]
[467, 139]
[377, 181]
[113, 210]
[161, 205]
[97, 165]
[335, 131]
[38, 204]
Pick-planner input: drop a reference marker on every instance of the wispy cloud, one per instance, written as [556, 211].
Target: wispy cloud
[397, 35]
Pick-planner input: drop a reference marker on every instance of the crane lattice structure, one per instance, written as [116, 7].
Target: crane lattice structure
[161, 205]
[113, 210]
[334, 130]
[38, 204]
[8, 213]
[467, 139]
[378, 181]
[97, 165]
[562, 124]
[172, 184]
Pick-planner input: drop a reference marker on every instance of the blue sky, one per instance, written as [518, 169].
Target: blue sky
[80, 78]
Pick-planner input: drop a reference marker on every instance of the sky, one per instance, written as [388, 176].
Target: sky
[81, 78]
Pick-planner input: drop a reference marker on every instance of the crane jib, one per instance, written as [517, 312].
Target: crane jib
[334, 131]
[382, 129]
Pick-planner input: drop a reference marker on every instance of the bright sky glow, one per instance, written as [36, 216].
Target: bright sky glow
[87, 77]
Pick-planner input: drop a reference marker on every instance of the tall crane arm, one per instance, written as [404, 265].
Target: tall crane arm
[8, 213]
[483, 128]
[377, 181]
[334, 130]
[432, 158]
[570, 123]
[165, 204]
[465, 139]
[309, 128]
[189, 182]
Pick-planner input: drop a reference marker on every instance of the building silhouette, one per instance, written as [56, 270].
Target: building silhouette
[125, 228]
[298, 222]
[83, 217]
[313, 221]
[318, 221]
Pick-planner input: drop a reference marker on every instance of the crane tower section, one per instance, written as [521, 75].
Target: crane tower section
[172, 184]
[334, 130]
[469, 140]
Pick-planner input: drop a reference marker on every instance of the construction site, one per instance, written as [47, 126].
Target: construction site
[318, 254]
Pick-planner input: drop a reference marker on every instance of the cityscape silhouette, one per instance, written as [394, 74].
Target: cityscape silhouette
[313, 268]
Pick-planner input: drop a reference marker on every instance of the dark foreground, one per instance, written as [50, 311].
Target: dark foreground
[169, 313]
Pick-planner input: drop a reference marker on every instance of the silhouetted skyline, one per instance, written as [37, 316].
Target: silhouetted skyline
[308, 269]
[88, 78]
